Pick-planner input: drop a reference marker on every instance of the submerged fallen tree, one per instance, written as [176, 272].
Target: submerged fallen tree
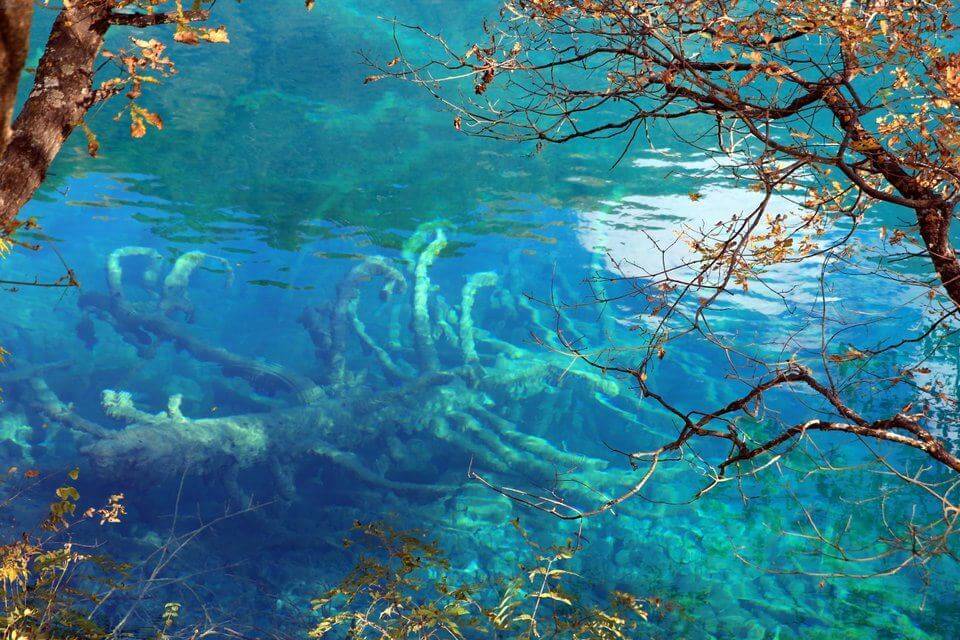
[446, 378]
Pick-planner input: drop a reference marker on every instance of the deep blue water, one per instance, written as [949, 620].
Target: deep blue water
[279, 162]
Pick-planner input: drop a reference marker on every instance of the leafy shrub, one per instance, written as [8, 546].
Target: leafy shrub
[402, 589]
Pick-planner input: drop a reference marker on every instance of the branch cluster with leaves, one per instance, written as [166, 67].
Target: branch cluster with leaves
[66, 84]
[831, 113]
[403, 589]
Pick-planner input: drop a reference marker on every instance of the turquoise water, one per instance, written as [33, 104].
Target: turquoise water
[279, 162]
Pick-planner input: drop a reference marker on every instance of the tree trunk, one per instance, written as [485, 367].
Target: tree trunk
[15, 19]
[62, 94]
[933, 219]
[934, 226]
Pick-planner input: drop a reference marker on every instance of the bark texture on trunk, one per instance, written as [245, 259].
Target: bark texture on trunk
[16, 16]
[934, 225]
[934, 214]
[62, 93]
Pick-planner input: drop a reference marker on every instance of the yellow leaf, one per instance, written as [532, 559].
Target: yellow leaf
[186, 35]
[218, 35]
[456, 610]
[93, 145]
[138, 113]
[552, 595]
[67, 493]
[137, 128]
[153, 119]
[852, 353]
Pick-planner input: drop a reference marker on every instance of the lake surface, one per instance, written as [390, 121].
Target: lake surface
[288, 172]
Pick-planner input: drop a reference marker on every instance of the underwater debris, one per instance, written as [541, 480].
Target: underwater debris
[143, 324]
[175, 284]
[345, 315]
[460, 395]
[422, 333]
[477, 280]
[115, 269]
